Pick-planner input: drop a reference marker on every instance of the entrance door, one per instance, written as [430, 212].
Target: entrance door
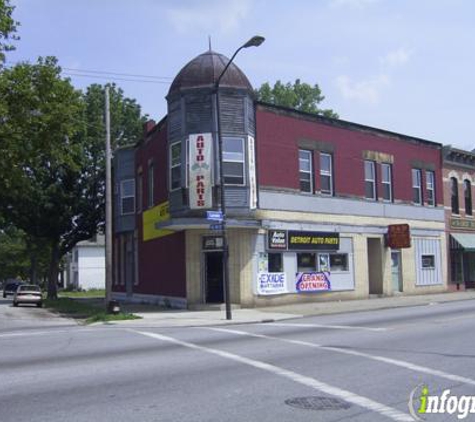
[375, 267]
[396, 271]
[214, 277]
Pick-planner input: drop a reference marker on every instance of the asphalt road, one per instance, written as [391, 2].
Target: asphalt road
[356, 366]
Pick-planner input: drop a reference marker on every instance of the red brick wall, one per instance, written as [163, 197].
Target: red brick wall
[277, 145]
[162, 265]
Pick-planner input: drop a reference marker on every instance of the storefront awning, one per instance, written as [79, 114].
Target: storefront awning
[462, 241]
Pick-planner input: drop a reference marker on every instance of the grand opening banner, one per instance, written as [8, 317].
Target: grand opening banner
[200, 159]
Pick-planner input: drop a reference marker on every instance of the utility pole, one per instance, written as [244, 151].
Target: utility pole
[108, 203]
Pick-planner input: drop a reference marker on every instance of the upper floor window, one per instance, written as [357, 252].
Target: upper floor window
[175, 166]
[416, 187]
[430, 186]
[127, 196]
[467, 188]
[386, 180]
[233, 161]
[150, 185]
[305, 171]
[454, 195]
[370, 180]
[326, 174]
[139, 201]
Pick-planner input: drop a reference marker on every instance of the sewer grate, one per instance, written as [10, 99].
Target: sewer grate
[318, 403]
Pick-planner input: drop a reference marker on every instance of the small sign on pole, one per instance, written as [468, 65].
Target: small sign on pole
[216, 227]
[214, 215]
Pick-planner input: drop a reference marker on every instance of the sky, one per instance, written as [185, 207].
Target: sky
[407, 66]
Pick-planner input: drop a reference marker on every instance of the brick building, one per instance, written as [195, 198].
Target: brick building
[459, 176]
[309, 201]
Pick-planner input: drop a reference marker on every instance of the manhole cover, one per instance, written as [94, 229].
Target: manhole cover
[318, 403]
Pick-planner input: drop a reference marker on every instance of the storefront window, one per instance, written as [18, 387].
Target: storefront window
[428, 261]
[275, 263]
[306, 262]
[323, 262]
[339, 262]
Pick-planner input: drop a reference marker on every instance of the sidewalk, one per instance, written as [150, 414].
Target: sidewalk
[156, 317]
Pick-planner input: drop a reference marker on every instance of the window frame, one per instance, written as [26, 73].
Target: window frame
[139, 192]
[372, 181]
[243, 161]
[389, 182]
[281, 258]
[417, 172]
[172, 166]
[123, 196]
[454, 196]
[430, 187]
[431, 258]
[326, 173]
[468, 198]
[150, 184]
[309, 172]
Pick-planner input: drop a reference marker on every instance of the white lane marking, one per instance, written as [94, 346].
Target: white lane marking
[38, 333]
[348, 396]
[338, 327]
[396, 362]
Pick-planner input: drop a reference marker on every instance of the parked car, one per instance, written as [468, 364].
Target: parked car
[11, 287]
[28, 293]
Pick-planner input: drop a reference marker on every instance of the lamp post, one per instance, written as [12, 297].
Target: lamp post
[253, 42]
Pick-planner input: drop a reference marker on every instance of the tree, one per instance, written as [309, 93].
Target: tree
[52, 156]
[299, 96]
[7, 28]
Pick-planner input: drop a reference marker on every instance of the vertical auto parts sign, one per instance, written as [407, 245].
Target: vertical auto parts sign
[200, 159]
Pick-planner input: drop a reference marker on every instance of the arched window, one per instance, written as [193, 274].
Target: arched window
[454, 195]
[467, 190]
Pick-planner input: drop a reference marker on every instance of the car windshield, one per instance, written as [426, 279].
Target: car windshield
[29, 289]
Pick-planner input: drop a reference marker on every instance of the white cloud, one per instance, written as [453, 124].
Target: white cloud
[397, 57]
[366, 92]
[210, 15]
[355, 4]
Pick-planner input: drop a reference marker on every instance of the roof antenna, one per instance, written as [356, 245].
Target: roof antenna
[209, 42]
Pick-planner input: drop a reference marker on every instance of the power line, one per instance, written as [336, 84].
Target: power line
[116, 79]
[116, 73]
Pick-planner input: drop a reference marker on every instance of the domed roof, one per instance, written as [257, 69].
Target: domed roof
[203, 71]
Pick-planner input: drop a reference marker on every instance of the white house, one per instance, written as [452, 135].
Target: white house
[86, 265]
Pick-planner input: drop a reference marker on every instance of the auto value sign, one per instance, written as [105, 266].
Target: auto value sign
[200, 159]
[313, 282]
[271, 284]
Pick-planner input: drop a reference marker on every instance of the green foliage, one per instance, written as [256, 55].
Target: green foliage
[8, 28]
[299, 96]
[14, 260]
[52, 159]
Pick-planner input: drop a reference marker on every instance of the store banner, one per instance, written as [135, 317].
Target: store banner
[252, 173]
[200, 159]
[271, 284]
[310, 241]
[313, 282]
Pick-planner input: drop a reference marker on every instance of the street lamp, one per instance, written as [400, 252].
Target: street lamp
[255, 41]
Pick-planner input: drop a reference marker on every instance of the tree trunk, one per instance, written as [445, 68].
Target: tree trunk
[33, 268]
[53, 272]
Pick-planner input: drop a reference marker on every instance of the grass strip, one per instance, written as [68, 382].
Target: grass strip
[85, 311]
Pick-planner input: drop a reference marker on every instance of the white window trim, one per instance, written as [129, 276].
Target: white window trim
[122, 196]
[307, 171]
[430, 186]
[415, 186]
[171, 166]
[389, 183]
[327, 173]
[243, 162]
[373, 181]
